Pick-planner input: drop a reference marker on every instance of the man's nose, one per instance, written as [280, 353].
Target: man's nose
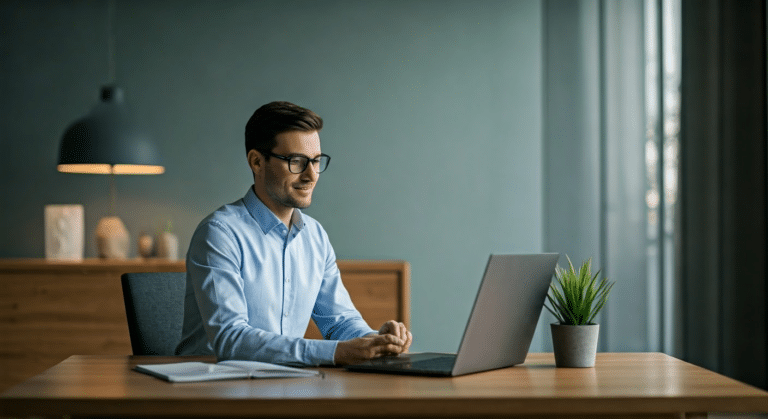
[309, 173]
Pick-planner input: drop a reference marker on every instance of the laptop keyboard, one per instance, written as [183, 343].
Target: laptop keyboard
[441, 363]
[434, 363]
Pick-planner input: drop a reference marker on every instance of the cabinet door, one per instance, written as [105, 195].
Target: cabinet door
[50, 311]
[379, 290]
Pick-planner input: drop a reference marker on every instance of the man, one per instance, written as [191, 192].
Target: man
[258, 269]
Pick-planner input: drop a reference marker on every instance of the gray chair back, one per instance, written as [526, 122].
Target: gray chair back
[154, 306]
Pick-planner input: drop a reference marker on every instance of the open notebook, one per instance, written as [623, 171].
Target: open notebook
[187, 372]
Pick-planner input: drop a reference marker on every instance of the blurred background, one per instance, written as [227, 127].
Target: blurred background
[457, 129]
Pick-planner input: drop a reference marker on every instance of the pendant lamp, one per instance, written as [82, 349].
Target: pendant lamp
[108, 141]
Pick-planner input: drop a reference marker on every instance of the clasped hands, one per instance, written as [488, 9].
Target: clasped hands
[393, 338]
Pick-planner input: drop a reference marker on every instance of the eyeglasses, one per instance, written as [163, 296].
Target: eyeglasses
[298, 164]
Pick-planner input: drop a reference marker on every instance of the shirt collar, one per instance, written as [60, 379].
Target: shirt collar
[266, 219]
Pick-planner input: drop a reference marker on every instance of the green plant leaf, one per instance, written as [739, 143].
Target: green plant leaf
[576, 297]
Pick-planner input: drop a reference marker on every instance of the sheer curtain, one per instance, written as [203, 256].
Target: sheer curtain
[655, 166]
[595, 174]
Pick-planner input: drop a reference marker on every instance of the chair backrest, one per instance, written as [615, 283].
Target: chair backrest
[154, 306]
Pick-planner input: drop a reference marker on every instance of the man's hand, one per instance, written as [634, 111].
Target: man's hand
[367, 347]
[398, 330]
[393, 339]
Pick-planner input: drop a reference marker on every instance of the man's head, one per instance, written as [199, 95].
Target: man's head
[283, 145]
[275, 118]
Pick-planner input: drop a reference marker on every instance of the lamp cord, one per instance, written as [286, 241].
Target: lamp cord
[111, 40]
[112, 194]
[111, 69]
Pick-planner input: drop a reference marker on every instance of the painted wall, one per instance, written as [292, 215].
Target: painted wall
[433, 114]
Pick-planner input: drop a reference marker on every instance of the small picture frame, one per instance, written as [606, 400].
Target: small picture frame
[64, 232]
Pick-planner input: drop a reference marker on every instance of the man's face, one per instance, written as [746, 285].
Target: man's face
[286, 190]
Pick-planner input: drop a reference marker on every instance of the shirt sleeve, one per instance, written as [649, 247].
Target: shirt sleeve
[334, 313]
[213, 265]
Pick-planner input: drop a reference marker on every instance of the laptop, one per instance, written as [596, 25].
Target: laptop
[500, 328]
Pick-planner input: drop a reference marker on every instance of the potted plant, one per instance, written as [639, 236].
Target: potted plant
[575, 298]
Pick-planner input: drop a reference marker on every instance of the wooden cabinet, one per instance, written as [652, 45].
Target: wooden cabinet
[380, 290]
[50, 310]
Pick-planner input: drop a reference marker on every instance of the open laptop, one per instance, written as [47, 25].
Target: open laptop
[500, 327]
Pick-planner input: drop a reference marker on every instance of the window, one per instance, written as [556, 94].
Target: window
[662, 100]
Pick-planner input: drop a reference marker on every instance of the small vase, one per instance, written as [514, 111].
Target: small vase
[112, 238]
[167, 246]
[145, 245]
[575, 346]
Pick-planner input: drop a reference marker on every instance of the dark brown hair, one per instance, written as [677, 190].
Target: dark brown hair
[275, 118]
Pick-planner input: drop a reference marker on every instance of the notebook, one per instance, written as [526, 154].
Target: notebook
[189, 372]
[500, 328]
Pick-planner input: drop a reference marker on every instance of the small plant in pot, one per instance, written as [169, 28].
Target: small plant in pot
[574, 299]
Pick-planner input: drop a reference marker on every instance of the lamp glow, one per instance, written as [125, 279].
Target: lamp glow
[106, 169]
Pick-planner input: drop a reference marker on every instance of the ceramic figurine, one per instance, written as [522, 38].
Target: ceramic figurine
[112, 238]
[145, 245]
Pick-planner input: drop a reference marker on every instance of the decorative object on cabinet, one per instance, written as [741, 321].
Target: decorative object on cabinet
[167, 244]
[112, 238]
[64, 232]
[146, 245]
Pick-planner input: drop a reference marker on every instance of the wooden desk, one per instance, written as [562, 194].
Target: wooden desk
[50, 310]
[633, 385]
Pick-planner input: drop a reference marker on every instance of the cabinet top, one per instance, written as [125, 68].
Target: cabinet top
[158, 264]
[23, 264]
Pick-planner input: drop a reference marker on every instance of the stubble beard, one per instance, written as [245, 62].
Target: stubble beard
[286, 199]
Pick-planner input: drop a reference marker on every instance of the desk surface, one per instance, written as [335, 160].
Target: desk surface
[628, 383]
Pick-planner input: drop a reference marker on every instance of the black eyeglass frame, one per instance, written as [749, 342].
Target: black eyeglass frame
[307, 160]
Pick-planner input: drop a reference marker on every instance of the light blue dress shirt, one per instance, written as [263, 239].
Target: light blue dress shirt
[252, 286]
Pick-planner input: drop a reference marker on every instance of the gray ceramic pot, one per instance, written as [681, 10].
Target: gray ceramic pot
[575, 346]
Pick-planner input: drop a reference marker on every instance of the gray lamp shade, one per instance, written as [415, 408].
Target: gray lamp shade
[107, 141]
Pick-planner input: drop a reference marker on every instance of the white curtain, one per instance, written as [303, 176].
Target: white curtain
[690, 261]
[595, 159]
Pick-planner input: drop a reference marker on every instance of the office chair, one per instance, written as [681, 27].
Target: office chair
[154, 306]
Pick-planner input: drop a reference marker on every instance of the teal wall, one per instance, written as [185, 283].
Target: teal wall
[433, 113]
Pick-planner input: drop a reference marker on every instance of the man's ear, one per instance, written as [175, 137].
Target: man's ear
[255, 161]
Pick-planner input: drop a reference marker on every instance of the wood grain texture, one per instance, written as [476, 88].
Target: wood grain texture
[50, 310]
[620, 385]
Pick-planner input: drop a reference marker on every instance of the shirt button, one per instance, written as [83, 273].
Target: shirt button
[285, 314]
